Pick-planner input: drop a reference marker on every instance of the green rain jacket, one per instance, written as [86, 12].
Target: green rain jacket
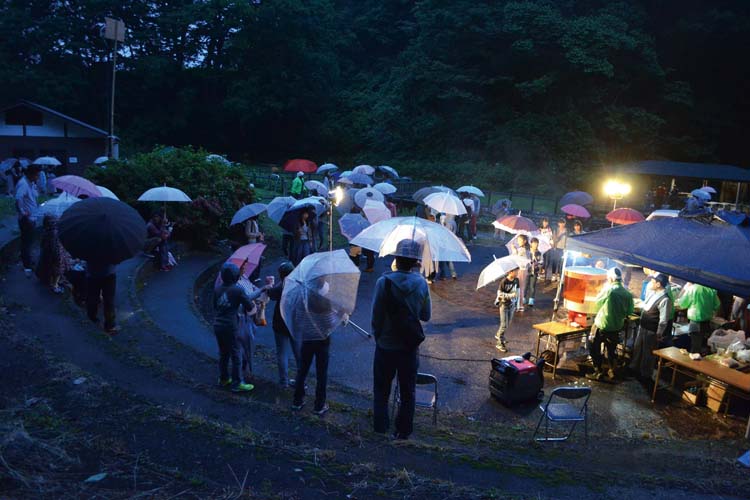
[700, 301]
[615, 303]
[297, 186]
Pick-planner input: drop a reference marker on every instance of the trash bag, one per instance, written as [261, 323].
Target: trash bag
[724, 338]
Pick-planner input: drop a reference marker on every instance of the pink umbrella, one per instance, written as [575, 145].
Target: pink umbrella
[76, 186]
[251, 253]
[576, 211]
[515, 224]
[625, 216]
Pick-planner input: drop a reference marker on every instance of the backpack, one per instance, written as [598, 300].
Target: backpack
[413, 334]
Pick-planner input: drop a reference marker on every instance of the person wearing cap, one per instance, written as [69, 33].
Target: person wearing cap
[399, 294]
[228, 297]
[505, 301]
[26, 207]
[614, 303]
[285, 344]
[654, 326]
[298, 185]
[701, 303]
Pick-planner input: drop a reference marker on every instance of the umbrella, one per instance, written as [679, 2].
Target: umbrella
[355, 178]
[734, 218]
[471, 190]
[47, 160]
[375, 211]
[352, 224]
[278, 207]
[445, 203]
[576, 211]
[544, 243]
[364, 169]
[326, 168]
[57, 205]
[422, 193]
[102, 230]
[107, 193]
[317, 187]
[709, 189]
[499, 268]
[438, 241]
[319, 294]
[218, 159]
[345, 173]
[363, 195]
[576, 198]
[77, 186]
[389, 170]
[299, 165]
[7, 163]
[385, 188]
[700, 194]
[316, 202]
[516, 224]
[625, 216]
[251, 253]
[347, 203]
[246, 212]
[25, 162]
[101, 159]
[164, 194]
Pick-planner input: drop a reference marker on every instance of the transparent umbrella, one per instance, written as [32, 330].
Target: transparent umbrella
[278, 207]
[56, 206]
[367, 194]
[317, 188]
[364, 169]
[499, 268]
[352, 224]
[385, 188]
[441, 243]
[445, 203]
[246, 212]
[375, 211]
[319, 295]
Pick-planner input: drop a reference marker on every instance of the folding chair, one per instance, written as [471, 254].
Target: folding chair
[424, 398]
[564, 412]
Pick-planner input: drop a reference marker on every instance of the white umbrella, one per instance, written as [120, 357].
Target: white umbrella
[346, 173]
[319, 294]
[317, 187]
[544, 243]
[164, 194]
[709, 189]
[106, 193]
[445, 203]
[246, 212]
[499, 268]
[326, 167]
[101, 159]
[47, 160]
[385, 188]
[389, 170]
[364, 169]
[701, 194]
[375, 211]
[471, 190]
[317, 202]
[278, 207]
[441, 243]
[365, 194]
[57, 205]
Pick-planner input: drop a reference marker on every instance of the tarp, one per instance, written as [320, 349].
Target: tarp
[714, 255]
[680, 169]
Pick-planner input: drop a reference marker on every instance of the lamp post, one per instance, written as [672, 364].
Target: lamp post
[616, 190]
[114, 30]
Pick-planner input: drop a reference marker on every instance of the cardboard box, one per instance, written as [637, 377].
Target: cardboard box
[694, 393]
[716, 396]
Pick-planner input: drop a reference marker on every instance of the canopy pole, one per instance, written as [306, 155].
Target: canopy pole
[737, 198]
[556, 302]
[359, 329]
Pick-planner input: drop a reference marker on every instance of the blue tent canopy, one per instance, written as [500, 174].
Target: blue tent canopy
[715, 255]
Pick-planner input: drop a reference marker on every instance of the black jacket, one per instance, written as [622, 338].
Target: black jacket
[278, 324]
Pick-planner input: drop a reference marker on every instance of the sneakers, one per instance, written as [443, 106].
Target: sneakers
[298, 407]
[225, 383]
[322, 410]
[243, 388]
[554, 278]
[502, 347]
[531, 303]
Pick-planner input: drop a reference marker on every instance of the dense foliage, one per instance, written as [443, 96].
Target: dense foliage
[217, 190]
[500, 88]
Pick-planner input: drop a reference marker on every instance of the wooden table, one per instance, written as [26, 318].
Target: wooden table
[559, 332]
[671, 357]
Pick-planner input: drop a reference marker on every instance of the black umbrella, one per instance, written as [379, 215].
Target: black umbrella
[102, 230]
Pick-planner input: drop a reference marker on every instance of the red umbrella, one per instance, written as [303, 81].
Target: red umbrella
[625, 216]
[576, 211]
[515, 224]
[251, 253]
[298, 165]
[76, 186]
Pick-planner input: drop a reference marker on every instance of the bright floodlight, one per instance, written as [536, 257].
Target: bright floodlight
[616, 189]
[337, 195]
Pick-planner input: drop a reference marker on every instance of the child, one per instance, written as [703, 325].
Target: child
[507, 294]
[535, 268]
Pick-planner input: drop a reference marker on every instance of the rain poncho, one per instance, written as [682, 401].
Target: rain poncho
[297, 186]
[615, 303]
[700, 301]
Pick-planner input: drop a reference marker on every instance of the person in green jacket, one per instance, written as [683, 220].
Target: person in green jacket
[298, 185]
[701, 303]
[614, 304]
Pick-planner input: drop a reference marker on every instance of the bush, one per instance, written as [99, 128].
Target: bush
[217, 190]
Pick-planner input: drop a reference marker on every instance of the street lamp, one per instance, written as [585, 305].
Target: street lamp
[616, 190]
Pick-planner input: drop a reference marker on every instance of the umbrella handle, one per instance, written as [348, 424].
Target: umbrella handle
[359, 329]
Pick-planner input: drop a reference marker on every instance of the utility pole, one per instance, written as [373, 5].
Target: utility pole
[114, 30]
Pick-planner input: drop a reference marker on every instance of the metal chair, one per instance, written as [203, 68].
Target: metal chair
[564, 412]
[424, 398]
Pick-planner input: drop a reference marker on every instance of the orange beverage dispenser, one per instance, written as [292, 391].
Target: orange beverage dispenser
[581, 285]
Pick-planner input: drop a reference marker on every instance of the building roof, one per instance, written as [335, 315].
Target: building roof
[45, 109]
[694, 170]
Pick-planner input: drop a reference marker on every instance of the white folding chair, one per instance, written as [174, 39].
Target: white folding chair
[565, 412]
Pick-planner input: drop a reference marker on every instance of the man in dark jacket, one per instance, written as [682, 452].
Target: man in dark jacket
[395, 353]
[285, 344]
[228, 296]
[101, 284]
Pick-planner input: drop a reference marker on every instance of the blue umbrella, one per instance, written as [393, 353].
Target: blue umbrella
[576, 198]
[355, 178]
[246, 212]
[352, 224]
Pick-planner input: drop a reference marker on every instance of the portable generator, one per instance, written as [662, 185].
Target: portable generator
[516, 379]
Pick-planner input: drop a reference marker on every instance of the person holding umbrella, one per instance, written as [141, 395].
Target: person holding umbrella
[505, 300]
[158, 234]
[304, 236]
[26, 207]
[228, 297]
